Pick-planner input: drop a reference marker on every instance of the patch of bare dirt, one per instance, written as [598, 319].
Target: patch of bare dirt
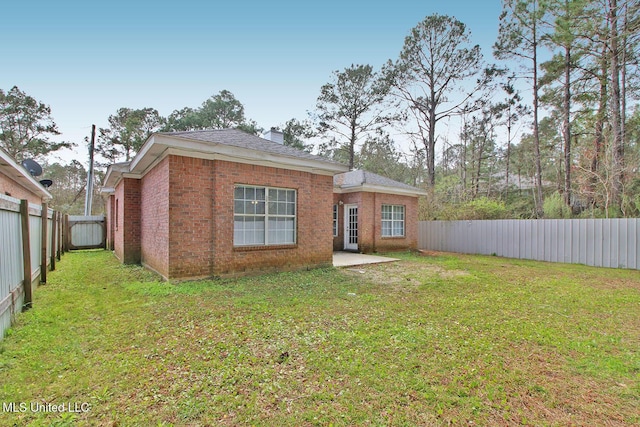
[403, 275]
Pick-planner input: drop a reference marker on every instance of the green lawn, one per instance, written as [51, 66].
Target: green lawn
[430, 340]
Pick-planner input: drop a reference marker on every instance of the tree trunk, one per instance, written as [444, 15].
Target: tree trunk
[463, 162]
[476, 185]
[623, 74]
[508, 159]
[601, 115]
[352, 145]
[431, 146]
[536, 134]
[616, 128]
[566, 126]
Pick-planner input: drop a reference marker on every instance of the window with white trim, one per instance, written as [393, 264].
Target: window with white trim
[335, 220]
[264, 216]
[392, 221]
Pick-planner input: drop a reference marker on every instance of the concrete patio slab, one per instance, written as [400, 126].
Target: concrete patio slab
[347, 259]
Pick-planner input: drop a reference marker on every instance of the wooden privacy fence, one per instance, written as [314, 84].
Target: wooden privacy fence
[597, 242]
[31, 240]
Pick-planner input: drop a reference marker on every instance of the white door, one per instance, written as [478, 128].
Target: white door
[350, 227]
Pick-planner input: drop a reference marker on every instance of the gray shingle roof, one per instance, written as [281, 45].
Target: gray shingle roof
[359, 177]
[240, 139]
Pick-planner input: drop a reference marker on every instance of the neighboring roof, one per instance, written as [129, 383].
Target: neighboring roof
[11, 168]
[359, 180]
[220, 144]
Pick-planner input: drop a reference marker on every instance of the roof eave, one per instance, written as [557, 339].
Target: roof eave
[13, 170]
[107, 191]
[158, 146]
[114, 174]
[369, 188]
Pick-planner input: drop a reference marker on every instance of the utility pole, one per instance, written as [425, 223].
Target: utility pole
[88, 200]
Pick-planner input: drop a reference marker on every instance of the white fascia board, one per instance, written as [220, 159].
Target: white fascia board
[131, 175]
[109, 187]
[12, 169]
[148, 149]
[107, 191]
[158, 147]
[114, 174]
[110, 177]
[239, 155]
[111, 180]
[368, 188]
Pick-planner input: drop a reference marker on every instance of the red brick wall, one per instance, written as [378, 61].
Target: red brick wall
[190, 217]
[110, 206]
[184, 222]
[154, 219]
[127, 227]
[10, 187]
[410, 241]
[118, 236]
[201, 219]
[314, 225]
[370, 221]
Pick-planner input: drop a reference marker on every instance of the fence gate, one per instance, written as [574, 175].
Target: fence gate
[87, 232]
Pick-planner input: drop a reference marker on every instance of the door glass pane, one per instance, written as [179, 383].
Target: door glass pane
[353, 225]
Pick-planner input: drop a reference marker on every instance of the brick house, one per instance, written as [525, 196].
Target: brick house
[17, 182]
[222, 202]
[372, 213]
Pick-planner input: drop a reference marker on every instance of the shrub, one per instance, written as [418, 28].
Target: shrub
[555, 208]
[483, 208]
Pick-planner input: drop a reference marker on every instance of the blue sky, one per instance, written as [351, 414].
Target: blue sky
[87, 59]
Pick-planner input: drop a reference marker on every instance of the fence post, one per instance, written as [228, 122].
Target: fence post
[26, 254]
[43, 257]
[59, 239]
[53, 240]
[104, 232]
[65, 234]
